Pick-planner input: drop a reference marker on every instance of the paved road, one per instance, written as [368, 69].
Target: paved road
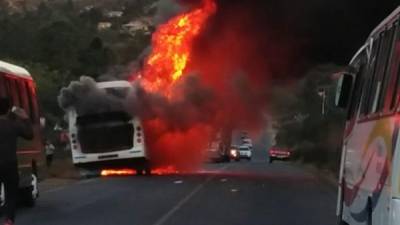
[245, 193]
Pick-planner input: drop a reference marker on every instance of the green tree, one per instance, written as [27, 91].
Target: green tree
[316, 138]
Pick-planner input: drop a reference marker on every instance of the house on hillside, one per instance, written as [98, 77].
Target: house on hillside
[143, 24]
[114, 14]
[103, 26]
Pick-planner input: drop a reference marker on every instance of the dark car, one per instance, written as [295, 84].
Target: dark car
[278, 153]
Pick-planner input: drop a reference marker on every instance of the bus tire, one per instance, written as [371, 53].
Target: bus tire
[147, 171]
[139, 172]
[147, 168]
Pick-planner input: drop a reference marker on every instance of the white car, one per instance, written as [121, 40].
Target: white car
[245, 152]
[247, 142]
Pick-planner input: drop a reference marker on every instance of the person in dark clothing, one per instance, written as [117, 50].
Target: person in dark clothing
[13, 124]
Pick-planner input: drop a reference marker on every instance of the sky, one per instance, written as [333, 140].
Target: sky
[320, 30]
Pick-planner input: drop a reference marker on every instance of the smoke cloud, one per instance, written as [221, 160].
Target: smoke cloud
[86, 98]
[166, 9]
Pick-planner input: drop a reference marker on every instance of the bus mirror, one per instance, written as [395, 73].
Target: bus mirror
[343, 91]
[42, 122]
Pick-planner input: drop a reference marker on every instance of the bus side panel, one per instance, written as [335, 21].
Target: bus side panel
[22, 93]
[395, 184]
[30, 152]
[367, 163]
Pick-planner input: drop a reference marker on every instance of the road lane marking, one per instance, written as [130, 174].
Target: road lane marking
[182, 202]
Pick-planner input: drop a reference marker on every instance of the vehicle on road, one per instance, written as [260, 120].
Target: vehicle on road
[277, 153]
[215, 151]
[234, 153]
[369, 182]
[247, 142]
[218, 149]
[17, 84]
[245, 152]
[108, 140]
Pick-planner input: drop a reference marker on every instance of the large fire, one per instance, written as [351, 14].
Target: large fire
[171, 48]
[169, 170]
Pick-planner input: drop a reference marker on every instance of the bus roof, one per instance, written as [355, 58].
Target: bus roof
[14, 70]
[114, 84]
[386, 21]
[393, 16]
[358, 53]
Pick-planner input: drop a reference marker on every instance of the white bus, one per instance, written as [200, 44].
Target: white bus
[109, 139]
[369, 182]
[17, 84]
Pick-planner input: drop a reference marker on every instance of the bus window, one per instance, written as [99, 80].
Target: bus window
[377, 84]
[359, 81]
[383, 67]
[23, 96]
[17, 92]
[396, 69]
[369, 90]
[12, 91]
[31, 101]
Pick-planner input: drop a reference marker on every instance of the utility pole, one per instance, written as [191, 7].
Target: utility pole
[322, 94]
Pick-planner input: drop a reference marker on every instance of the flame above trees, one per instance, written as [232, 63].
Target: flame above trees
[171, 48]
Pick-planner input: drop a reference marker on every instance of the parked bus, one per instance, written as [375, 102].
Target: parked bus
[17, 84]
[110, 139]
[369, 181]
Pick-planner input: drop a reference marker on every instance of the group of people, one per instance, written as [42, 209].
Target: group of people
[14, 123]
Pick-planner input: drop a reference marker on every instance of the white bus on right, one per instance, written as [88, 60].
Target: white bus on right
[369, 181]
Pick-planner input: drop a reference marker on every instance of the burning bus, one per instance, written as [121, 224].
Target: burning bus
[107, 136]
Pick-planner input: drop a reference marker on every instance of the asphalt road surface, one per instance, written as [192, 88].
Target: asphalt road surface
[244, 193]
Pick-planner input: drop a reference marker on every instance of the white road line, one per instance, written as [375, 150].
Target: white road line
[182, 202]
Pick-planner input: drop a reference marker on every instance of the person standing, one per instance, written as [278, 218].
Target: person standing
[13, 124]
[49, 153]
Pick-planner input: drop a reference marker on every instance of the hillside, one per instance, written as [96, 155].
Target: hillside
[20, 5]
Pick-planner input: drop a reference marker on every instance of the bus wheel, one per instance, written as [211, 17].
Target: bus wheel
[147, 170]
[139, 172]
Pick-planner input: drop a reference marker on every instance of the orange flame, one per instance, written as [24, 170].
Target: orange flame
[171, 48]
[121, 172]
[164, 171]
